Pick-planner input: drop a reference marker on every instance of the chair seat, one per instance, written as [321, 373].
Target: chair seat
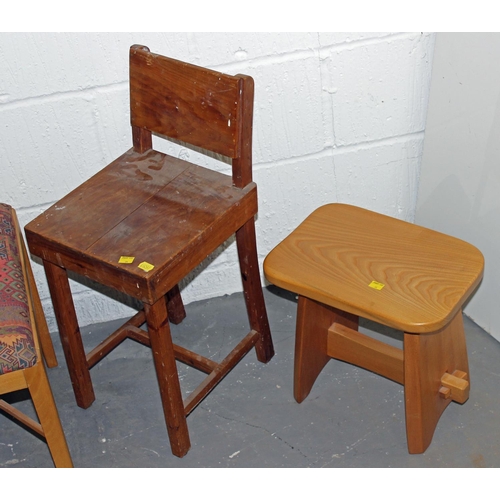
[384, 269]
[17, 346]
[155, 223]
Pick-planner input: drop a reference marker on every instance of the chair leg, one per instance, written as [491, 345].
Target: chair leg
[313, 321]
[252, 288]
[69, 332]
[176, 311]
[48, 416]
[427, 357]
[46, 344]
[168, 379]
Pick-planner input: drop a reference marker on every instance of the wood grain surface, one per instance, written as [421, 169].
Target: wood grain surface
[198, 106]
[151, 206]
[340, 250]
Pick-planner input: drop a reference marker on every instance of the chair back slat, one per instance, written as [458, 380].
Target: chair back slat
[192, 104]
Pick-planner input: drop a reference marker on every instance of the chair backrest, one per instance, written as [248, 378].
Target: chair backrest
[195, 105]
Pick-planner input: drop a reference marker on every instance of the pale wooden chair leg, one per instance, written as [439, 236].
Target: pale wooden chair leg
[48, 416]
[252, 287]
[313, 321]
[176, 311]
[168, 379]
[427, 358]
[69, 331]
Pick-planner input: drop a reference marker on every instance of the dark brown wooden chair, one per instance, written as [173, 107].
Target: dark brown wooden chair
[148, 219]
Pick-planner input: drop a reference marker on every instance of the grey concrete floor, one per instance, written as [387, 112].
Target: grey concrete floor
[351, 419]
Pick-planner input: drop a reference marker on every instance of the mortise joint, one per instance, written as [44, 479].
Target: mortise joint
[455, 386]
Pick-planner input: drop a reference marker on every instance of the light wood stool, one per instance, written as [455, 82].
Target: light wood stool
[345, 262]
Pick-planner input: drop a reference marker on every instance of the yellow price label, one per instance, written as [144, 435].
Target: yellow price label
[376, 285]
[124, 259]
[146, 266]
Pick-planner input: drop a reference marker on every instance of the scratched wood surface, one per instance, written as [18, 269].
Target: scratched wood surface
[149, 206]
[158, 209]
[340, 250]
[198, 106]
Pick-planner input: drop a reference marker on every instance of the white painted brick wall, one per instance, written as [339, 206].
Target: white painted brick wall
[338, 117]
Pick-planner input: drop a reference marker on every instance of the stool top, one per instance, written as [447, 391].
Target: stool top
[381, 268]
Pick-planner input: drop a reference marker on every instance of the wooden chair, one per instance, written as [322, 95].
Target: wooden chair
[22, 326]
[345, 262]
[146, 220]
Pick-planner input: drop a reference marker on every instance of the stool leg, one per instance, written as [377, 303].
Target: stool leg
[313, 321]
[427, 357]
[69, 332]
[252, 287]
[168, 379]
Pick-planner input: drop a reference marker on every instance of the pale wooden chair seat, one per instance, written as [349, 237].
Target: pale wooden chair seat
[345, 262]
